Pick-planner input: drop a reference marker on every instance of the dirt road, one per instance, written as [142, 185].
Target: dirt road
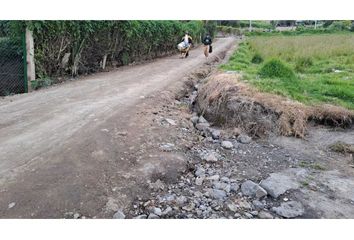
[62, 149]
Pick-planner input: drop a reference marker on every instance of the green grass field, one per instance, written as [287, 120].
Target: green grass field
[318, 68]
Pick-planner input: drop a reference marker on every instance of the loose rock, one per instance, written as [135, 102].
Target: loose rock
[167, 211]
[265, 215]
[199, 181]
[213, 178]
[217, 194]
[242, 138]
[157, 185]
[227, 144]
[258, 204]
[167, 147]
[278, 184]
[234, 187]
[210, 157]
[215, 134]
[200, 172]
[202, 126]
[156, 211]
[181, 200]
[153, 216]
[289, 209]
[119, 215]
[252, 189]
[194, 119]
[11, 205]
[202, 120]
[231, 206]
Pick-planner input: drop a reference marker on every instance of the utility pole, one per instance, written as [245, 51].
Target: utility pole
[250, 29]
[315, 24]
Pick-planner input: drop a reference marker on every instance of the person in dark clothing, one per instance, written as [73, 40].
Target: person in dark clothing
[207, 41]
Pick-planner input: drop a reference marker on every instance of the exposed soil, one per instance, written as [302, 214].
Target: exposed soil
[65, 149]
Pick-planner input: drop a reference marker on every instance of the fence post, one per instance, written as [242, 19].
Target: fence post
[31, 72]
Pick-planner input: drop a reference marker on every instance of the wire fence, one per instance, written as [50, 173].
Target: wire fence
[12, 66]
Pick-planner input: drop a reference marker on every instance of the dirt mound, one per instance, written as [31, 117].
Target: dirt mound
[224, 100]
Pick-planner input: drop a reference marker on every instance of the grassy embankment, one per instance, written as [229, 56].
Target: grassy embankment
[312, 69]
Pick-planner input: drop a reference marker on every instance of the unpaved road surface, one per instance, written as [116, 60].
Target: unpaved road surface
[67, 149]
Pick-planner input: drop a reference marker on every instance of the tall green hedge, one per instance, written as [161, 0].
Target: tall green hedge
[86, 43]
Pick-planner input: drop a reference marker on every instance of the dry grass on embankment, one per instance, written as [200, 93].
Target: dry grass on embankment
[226, 101]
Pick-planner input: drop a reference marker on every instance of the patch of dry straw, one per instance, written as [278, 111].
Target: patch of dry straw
[224, 100]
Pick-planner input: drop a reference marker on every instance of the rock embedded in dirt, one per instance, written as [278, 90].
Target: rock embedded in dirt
[119, 215]
[278, 183]
[202, 126]
[242, 138]
[210, 157]
[157, 185]
[199, 181]
[11, 205]
[142, 216]
[167, 211]
[181, 200]
[153, 216]
[245, 205]
[213, 178]
[167, 198]
[289, 209]
[234, 187]
[252, 189]
[217, 193]
[202, 120]
[170, 121]
[167, 147]
[227, 144]
[265, 215]
[222, 186]
[155, 210]
[254, 213]
[189, 207]
[215, 134]
[258, 204]
[122, 133]
[194, 119]
[199, 172]
[231, 206]
[225, 179]
[193, 96]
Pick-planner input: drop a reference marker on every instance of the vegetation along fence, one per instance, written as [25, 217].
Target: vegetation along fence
[70, 48]
[12, 64]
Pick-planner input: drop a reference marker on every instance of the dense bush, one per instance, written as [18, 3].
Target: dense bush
[257, 58]
[340, 25]
[77, 47]
[276, 68]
